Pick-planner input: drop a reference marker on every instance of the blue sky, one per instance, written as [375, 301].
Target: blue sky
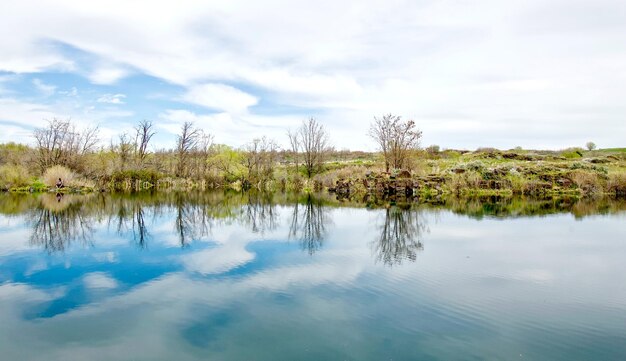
[537, 74]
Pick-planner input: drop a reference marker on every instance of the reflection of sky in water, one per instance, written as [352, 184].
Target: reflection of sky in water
[535, 288]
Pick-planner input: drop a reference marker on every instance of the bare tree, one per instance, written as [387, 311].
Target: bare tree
[185, 143]
[395, 138]
[201, 151]
[260, 158]
[313, 140]
[143, 134]
[60, 143]
[294, 141]
[124, 150]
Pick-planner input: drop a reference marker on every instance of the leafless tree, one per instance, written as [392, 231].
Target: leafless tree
[124, 150]
[143, 133]
[60, 143]
[260, 158]
[314, 143]
[185, 143]
[395, 138]
[294, 141]
[201, 151]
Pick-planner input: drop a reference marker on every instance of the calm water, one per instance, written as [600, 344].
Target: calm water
[245, 277]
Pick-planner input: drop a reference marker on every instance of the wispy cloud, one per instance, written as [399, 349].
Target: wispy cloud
[45, 89]
[220, 97]
[112, 98]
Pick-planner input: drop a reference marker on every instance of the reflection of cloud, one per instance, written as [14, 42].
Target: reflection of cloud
[99, 280]
[12, 237]
[535, 275]
[110, 257]
[341, 284]
[21, 293]
[39, 265]
[217, 260]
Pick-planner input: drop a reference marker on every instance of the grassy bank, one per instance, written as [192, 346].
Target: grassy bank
[430, 173]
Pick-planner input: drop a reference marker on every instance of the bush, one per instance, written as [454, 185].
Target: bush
[588, 182]
[330, 178]
[572, 153]
[617, 184]
[143, 175]
[52, 175]
[13, 176]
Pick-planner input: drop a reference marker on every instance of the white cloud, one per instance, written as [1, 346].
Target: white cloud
[18, 118]
[112, 98]
[229, 128]
[107, 75]
[70, 93]
[45, 89]
[220, 97]
[516, 63]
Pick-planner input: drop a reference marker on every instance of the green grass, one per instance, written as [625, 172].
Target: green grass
[611, 150]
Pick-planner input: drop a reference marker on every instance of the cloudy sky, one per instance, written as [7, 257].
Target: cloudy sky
[531, 73]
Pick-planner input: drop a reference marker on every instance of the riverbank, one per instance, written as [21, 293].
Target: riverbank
[485, 172]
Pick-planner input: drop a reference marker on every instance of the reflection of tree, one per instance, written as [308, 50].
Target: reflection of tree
[131, 218]
[260, 213]
[192, 220]
[400, 236]
[308, 224]
[58, 222]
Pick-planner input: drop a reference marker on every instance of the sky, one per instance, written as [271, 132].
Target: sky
[546, 74]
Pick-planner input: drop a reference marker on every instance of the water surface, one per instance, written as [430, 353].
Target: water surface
[214, 276]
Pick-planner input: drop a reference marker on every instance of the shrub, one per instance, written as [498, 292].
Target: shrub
[433, 149]
[572, 153]
[587, 182]
[617, 184]
[69, 178]
[459, 183]
[475, 165]
[13, 176]
[52, 175]
[452, 154]
[330, 178]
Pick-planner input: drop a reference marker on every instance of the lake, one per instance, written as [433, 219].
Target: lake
[230, 276]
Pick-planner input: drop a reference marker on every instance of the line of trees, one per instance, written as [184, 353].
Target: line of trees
[197, 156]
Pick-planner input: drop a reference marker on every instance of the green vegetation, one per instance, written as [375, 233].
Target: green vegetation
[310, 165]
